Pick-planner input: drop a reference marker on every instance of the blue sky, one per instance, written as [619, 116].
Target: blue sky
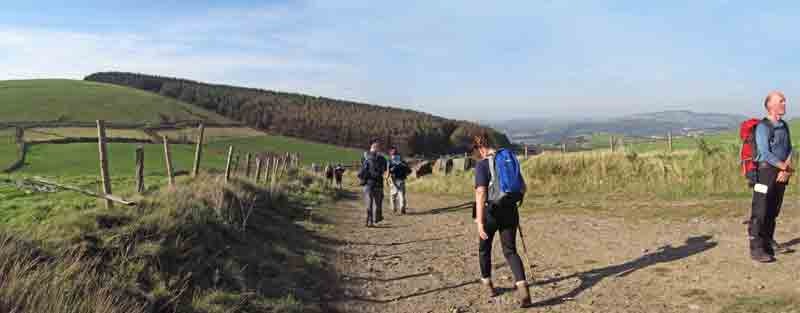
[462, 59]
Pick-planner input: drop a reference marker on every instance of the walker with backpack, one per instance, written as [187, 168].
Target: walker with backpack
[749, 149]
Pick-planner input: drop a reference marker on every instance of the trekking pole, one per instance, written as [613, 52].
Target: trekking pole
[524, 247]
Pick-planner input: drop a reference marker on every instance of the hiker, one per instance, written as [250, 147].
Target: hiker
[496, 211]
[397, 174]
[338, 173]
[329, 174]
[774, 159]
[373, 166]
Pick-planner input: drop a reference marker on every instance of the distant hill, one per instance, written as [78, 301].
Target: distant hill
[83, 101]
[333, 121]
[637, 125]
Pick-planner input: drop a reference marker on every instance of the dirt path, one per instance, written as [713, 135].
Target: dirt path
[426, 261]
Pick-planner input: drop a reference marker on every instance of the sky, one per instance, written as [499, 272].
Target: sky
[474, 60]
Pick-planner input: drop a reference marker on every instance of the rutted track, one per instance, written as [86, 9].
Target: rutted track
[426, 261]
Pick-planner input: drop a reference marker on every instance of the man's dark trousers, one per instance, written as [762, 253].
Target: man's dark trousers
[766, 207]
[373, 195]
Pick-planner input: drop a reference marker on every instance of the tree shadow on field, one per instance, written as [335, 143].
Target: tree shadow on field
[665, 254]
[454, 208]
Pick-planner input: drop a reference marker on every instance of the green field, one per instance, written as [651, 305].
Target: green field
[81, 159]
[73, 100]
[721, 140]
[8, 149]
[310, 152]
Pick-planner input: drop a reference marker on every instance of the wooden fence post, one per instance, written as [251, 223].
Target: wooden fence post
[228, 164]
[235, 170]
[524, 147]
[258, 169]
[140, 169]
[247, 165]
[669, 142]
[104, 175]
[564, 147]
[267, 169]
[611, 143]
[198, 152]
[168, 160]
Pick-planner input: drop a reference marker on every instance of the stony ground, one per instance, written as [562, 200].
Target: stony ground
[581, 260]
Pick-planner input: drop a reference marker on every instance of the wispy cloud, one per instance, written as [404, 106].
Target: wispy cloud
[453, 57]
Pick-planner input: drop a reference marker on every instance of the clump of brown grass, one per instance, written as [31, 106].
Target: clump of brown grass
[71, 282]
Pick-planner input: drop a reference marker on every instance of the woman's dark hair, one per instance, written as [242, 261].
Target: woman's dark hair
[481, 140]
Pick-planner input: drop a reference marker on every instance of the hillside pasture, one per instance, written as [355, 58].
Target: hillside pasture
[82, 101]
[310, 152]
[210, 134]
[8, 149]
[81, 159]
[47, 134]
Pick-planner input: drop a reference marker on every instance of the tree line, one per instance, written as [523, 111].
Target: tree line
[338, 122]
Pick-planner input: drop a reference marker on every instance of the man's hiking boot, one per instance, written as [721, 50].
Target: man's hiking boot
[524, 294]
[779, 248]
[489, 286]
[762, 257]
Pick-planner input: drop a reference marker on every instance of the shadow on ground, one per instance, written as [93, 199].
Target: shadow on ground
[455, 208]
[665, 254]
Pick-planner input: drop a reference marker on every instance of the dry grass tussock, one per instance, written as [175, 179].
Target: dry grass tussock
[203, 246]
[706, 172]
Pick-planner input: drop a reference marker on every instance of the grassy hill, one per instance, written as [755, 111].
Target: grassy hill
[82, 101]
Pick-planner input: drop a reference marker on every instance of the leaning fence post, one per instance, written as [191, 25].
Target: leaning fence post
[258, 169]
[168, 160]
[104, 175]
[228, 164]
[140, 169]
[198, 152]
[247, 166]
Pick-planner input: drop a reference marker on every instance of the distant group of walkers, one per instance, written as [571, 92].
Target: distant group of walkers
[500, 190]
[334, 173]
[374, 169]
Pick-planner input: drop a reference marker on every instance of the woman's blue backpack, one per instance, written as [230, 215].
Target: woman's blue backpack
[507, 186]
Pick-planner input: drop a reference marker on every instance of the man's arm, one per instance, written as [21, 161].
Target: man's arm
[762, 142]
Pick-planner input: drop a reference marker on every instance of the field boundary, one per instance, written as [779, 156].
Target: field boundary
[20, 162]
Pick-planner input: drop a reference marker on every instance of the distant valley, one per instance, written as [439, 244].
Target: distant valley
[680, 123]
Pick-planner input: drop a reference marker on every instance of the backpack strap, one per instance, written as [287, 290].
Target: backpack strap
[771, 128]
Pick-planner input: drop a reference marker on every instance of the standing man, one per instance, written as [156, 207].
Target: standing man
[397, 174]
[371, 175]
[774, 157]
[494, 218]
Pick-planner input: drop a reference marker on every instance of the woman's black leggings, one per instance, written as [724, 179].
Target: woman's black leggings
[508, 239]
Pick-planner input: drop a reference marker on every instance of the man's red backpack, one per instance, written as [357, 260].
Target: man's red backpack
[749, 150]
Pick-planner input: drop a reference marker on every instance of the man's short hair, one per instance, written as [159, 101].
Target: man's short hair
[769, 97]
[374, 141]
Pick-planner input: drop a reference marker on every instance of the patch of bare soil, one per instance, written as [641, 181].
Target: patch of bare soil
[582, 261]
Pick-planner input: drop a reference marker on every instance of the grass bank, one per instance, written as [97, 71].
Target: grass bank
[204, 246]
[707, 172]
